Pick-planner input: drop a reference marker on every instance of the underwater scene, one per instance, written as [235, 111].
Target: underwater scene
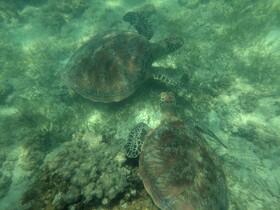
[126, 104]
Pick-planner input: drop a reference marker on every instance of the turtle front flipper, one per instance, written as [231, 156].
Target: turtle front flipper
[207, 131]
[169, 76]
[135, 140]
[139, 19]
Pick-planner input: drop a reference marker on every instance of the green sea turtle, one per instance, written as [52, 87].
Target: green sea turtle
[112, 65]
[176, 165]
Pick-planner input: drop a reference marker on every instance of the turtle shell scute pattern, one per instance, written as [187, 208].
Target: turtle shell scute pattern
[110, 66]
[180, 171]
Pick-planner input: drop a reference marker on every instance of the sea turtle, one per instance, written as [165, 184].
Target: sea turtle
[176, 165]
[112, 65]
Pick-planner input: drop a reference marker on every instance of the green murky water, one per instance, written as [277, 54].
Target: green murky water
[61, 151]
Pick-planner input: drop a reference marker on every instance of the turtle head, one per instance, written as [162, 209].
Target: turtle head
[173, 43]
[166, 46]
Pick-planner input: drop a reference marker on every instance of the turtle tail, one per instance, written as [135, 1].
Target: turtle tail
[139, 19]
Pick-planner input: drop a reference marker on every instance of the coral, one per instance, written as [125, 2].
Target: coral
[84, 171]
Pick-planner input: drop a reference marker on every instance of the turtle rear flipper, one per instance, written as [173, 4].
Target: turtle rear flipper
[135, 140]
[139, 19]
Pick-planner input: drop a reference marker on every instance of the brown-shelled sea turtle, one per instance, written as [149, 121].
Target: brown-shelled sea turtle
[177, 166]
[112, 65]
